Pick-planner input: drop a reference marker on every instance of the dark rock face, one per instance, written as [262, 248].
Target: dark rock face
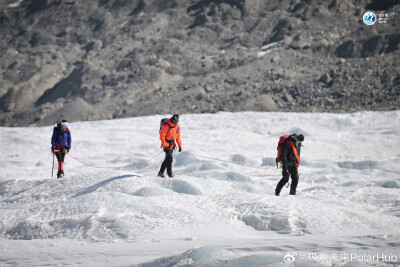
[371, 47]
[70, 86]
[104, 59]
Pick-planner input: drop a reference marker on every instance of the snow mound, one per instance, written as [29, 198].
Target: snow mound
[151, 191]
[208, 166]
[183, 160]
[360, 165]
[203, 256]
[270, 161]
[214, 256]
[236, 177]
[259, 223]
[241, 159]
[25, 231]
[391, 184]
[268, 222]
[181, 187]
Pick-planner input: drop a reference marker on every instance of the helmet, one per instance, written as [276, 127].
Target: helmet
[297, 137]
[175, 118]
[64, 125]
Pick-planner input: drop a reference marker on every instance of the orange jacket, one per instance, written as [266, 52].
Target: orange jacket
[173, 134]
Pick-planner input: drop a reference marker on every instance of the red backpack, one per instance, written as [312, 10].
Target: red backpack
[282, 140]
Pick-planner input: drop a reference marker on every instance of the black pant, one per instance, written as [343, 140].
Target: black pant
[60, 155]
[167, 163]
[292, 172]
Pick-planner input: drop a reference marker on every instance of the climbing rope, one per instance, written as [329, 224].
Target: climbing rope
[193, 155]
[115, 167]
[231, 162]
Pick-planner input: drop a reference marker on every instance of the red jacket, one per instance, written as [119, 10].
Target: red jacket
[170, 132]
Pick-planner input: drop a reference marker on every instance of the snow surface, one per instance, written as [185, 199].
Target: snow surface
[266, 49]
[211, 213]
[16, 4]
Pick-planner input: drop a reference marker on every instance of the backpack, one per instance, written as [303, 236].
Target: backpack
[164, 121]
[282, 140]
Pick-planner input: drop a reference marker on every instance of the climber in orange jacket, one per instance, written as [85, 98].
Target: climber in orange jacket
[170, 136]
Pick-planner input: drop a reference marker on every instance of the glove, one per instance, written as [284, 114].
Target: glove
[180, 149]
[66, 151]
[165, 149]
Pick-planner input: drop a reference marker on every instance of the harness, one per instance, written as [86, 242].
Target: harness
[171, 142]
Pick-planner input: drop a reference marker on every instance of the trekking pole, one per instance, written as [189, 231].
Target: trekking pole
[52, 169]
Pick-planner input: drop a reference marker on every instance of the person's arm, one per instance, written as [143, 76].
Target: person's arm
[298, 150]
[285, 152]
[178, 139]
[163, 133]
[69, 140]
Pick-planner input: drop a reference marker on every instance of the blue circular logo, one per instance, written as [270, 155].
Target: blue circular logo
[369, 18]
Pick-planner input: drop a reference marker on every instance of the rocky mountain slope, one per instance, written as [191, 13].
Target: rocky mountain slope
[103, 59]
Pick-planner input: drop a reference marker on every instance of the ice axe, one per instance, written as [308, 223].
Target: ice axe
[52, 169]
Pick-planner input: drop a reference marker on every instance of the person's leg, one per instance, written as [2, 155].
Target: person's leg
[62, 162]
[59, 160]
[165, 164]
[295, 180]
[282, 182]
[170, 158]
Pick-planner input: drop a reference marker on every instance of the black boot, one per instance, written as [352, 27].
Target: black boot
[60, 174]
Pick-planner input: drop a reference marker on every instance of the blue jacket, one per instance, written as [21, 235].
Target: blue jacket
[61, 139]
